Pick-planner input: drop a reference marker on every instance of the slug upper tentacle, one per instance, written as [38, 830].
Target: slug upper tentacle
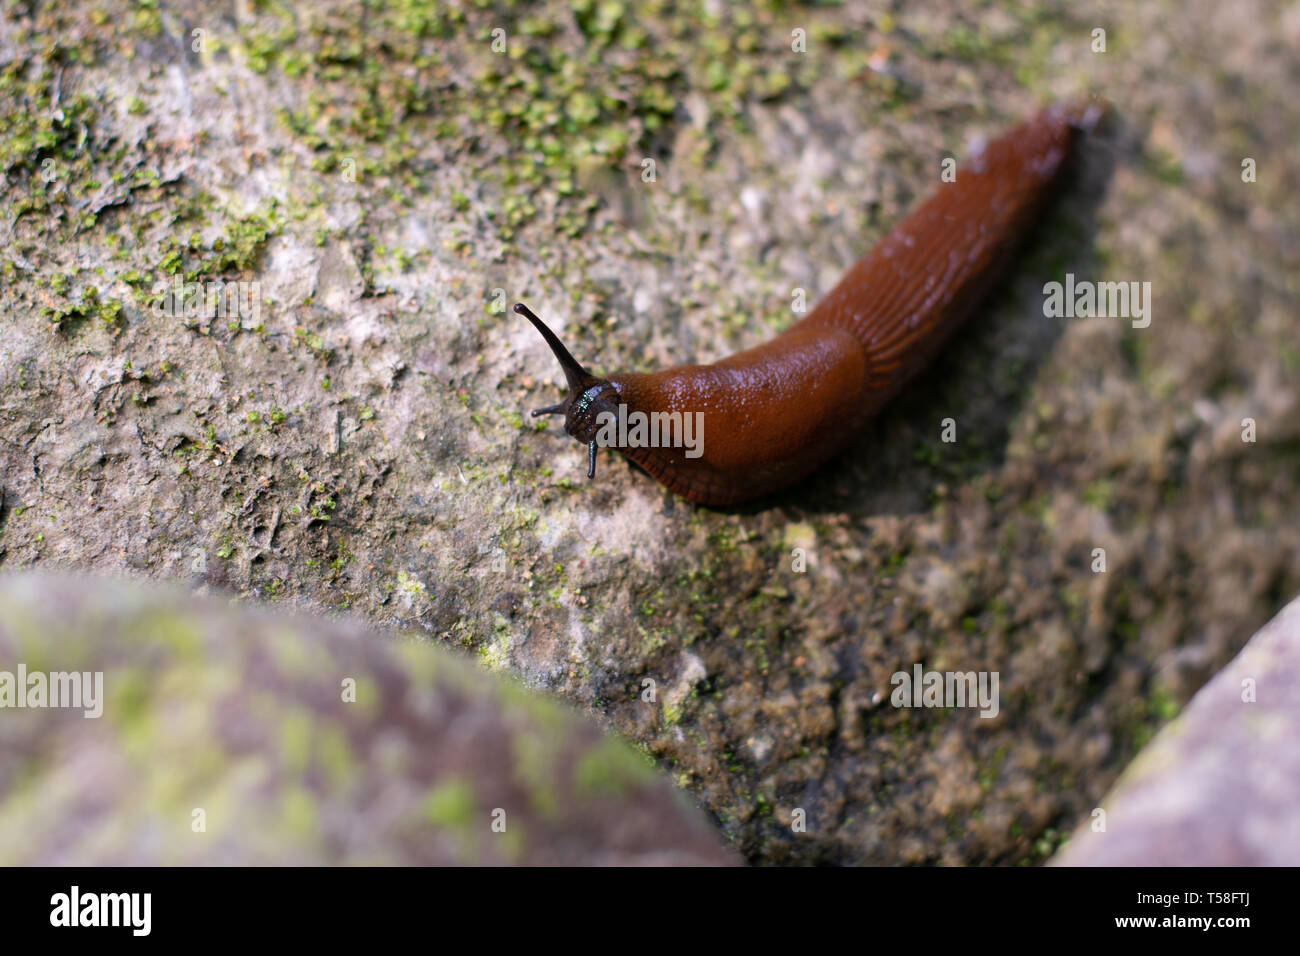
[588, 396]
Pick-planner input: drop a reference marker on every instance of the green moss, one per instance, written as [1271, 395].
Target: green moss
[451, 804]
[1165, 167]
[1100, 493]
[176, 631]
[296, 739]
[298, 813]
[672, 714]
[536, 755]
[570, 109]
[612, 768]
[1162, 707]
[129, 694]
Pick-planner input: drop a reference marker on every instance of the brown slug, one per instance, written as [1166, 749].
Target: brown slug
[770, 415]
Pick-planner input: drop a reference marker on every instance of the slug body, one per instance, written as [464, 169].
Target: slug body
[771, 415]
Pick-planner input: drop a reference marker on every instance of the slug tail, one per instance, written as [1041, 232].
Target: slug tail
[920, 282]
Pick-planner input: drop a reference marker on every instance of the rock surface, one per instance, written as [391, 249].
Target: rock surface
[360, 441]
[231, 736]
[1219, 786]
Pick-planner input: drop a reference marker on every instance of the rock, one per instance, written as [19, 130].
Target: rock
[233, 736]
[1220, 786]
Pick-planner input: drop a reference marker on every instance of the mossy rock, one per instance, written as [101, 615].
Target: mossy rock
[229, 735]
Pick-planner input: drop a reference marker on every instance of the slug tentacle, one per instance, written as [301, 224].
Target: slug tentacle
[577, 376]
[589, 397]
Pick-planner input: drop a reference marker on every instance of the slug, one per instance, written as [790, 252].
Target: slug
[771, 415]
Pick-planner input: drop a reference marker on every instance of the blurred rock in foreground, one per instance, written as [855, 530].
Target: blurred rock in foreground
[236, 719]
[1220, 786]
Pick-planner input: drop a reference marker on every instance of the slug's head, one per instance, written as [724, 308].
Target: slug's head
[588, 396]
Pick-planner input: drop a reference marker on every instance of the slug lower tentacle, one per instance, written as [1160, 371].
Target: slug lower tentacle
[770, 415]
